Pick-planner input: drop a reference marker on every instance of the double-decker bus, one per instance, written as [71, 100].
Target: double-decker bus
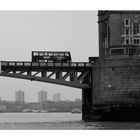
[51, 56]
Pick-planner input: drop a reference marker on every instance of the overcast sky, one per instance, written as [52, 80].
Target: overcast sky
[24, 31]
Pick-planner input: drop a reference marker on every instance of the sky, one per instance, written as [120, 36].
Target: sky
[24, 31]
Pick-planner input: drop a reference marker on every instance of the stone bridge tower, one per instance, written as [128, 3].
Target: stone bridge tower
[116, 74]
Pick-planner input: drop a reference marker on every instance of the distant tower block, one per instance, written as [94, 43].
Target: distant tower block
[42, 96]
[57, 97]
[119, 33]
[19, 96]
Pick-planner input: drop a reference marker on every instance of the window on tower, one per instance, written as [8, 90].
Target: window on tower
[136, 41]
[136, 29]
[127, 22]
[127, 31]
[127, 41]
[117, 51]
[132, 51]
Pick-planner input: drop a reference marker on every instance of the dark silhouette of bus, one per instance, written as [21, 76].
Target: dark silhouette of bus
[51, 56]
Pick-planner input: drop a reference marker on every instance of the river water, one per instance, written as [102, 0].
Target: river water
[58, 121]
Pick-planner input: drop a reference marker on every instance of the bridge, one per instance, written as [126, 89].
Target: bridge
[72, 74]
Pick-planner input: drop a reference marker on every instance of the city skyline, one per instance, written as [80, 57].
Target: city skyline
[24, 31]
[37, 98]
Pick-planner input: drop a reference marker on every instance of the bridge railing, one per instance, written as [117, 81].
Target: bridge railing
[45, 64]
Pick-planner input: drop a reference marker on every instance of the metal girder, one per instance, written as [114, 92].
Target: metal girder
[36, 73]
[49, 76]
[7, 71]
[21, 72]
[26, 72]
[48, 80]
[83, 75]
[67, 75]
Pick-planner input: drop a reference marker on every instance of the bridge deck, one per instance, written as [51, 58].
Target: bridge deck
[73, 74]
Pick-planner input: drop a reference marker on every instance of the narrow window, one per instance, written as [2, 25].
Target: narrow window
[136, 41]
[127, 41]
[136, 29]
[127, 31]
[126, 22]
[35, 53]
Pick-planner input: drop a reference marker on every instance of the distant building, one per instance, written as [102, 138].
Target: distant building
[42, 96]
[3, 108]
[19, 96]
[67, 101]
[57, 97]
[77, 100]
[34, 106]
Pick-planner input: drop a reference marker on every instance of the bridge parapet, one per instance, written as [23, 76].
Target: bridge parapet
[45, 64]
